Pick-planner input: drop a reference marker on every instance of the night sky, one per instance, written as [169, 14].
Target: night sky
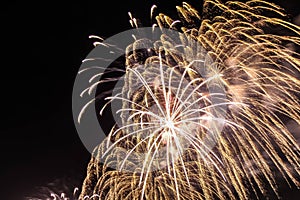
[42, 44]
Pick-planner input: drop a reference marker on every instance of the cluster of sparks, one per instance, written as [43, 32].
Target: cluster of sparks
[50, 195]
[189, 150]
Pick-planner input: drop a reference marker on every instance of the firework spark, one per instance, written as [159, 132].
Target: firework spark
[206, 123]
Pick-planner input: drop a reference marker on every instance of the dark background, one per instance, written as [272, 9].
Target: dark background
[42, 44]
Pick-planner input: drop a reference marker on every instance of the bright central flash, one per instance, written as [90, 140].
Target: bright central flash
[170, 124]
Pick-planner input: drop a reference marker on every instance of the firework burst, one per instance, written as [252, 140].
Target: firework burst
[205, 117]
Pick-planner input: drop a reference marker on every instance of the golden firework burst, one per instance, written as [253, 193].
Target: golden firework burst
[171, 110]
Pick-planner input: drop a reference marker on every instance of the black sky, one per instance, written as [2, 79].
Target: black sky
[42, 44]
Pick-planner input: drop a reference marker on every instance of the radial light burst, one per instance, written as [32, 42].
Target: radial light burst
[205, 118]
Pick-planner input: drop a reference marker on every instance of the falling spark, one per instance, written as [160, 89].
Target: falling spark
[152, 11]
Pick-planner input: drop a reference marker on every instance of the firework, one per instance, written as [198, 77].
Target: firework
[205, 117]
[48, 194]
